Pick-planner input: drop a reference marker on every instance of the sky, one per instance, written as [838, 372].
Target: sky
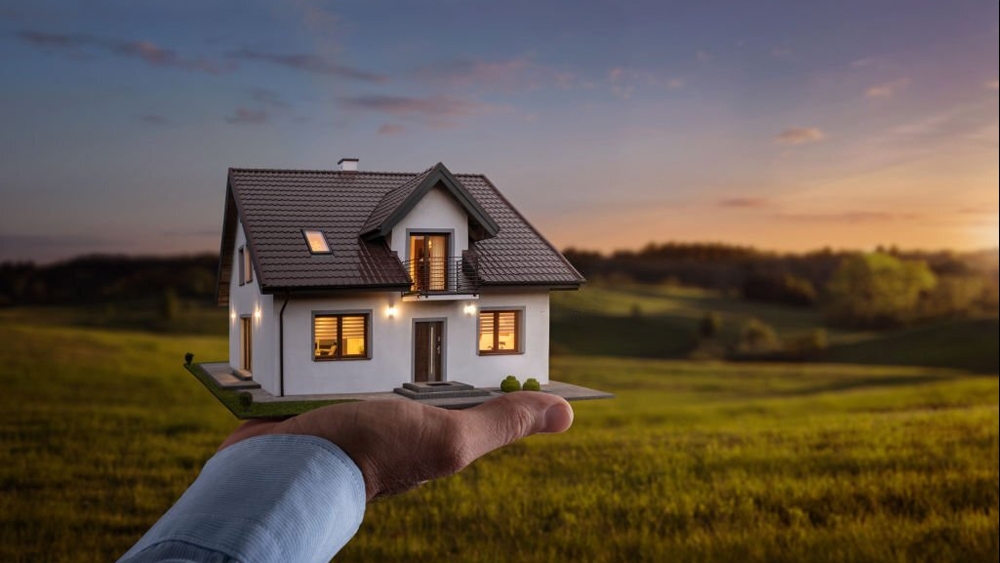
[787, 125]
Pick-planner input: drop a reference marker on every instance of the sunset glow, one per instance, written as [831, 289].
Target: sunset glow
[788, 126]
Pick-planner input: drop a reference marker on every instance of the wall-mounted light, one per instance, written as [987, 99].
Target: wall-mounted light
[470, 309]
[256, 313]
[391, 311]
[232, 315]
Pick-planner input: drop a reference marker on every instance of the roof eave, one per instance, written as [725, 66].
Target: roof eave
[269, 290]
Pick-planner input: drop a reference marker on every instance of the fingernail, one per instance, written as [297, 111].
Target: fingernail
[558, 418]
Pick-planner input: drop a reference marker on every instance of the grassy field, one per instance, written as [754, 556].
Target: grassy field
[662, 322]
[692, 462]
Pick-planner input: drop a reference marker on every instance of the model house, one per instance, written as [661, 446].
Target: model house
[350, 281]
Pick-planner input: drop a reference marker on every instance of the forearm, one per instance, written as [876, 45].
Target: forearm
[279, 498]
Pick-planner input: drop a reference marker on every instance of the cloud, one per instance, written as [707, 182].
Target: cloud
[407, 106]
[247, 116]
[508, 75]
[391, 129]
[77, 46]
[703, 56]
[268, 97]
[800, 135]
[886, 90]
[851, 216]
[781, 52]
[675, 84]
[862, 63]
[624, 81]
[993, 84]
[744, 202]
[154, 119]
[308, 63]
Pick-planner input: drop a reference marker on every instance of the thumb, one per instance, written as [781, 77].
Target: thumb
[506, 419]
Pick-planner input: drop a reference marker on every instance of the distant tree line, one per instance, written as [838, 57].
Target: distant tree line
[885, 288]
[101, 279]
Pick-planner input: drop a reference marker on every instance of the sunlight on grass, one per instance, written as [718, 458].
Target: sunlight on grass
[691, 461]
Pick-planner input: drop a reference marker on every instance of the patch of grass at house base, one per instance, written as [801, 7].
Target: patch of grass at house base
[231, 399]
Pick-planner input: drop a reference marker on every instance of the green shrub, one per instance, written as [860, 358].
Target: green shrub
[510, 383]
[807, 345]
[245, 399]
[188, 358]
[170, 305]
[531, 384]
[758, 337]
[710, 325]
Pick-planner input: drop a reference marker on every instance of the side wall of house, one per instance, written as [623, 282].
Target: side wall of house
[391, 343]
[246, 301]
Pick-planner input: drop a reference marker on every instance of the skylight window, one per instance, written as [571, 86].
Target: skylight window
[317, 242]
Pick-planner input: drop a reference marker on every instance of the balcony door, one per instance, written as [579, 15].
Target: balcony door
[429, 261]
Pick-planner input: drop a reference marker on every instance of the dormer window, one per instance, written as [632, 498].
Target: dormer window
[317, 242]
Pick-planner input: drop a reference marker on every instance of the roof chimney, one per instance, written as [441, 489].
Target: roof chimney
[348, 165]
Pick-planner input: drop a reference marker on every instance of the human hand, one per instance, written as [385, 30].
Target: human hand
[400, 444]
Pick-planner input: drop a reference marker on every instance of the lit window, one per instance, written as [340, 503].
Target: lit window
[499, 332]
[242, 266]
[247, 265]
[317, 242]
[337, 337]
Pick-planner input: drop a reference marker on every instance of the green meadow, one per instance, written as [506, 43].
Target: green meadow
[693, 461]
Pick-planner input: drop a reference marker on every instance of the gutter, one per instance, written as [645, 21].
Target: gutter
[281, 347]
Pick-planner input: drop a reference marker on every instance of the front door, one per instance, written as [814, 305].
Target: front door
[428, 344]
[246, 344]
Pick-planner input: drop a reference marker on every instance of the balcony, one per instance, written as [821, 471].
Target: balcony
[442, 279]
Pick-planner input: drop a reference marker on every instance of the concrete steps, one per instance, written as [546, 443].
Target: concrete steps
[436, 390]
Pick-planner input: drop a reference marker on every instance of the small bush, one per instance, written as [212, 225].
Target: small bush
[170, 305]
[758, 338]
[531, 384]
[509, 384]
[710, 325]
[245, 399]
[188, 358]
[808, 345]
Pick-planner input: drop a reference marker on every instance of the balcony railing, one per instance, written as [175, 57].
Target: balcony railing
[434, 276]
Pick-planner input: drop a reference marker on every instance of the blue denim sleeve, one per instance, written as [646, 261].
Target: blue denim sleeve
[277, 498]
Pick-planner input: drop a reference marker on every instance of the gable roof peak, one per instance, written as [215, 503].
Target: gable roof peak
[398, 202]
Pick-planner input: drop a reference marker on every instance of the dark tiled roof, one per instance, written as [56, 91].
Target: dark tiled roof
[276, 205]
[392, 200]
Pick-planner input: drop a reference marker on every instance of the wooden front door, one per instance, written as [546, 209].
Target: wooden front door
[428, 346]
[246, 344]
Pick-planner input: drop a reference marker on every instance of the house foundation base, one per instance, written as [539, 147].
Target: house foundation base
[247, 402]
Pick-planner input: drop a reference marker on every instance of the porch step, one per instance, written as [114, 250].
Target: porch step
[439, 390]
[436, 386]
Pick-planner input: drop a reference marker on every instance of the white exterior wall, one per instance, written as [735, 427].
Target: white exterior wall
[247, 300]
[391, 344]
[436, 212]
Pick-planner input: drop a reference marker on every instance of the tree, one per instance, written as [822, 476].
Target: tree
[877, 290]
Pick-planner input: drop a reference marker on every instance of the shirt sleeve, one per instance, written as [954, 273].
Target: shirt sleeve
[274, 498]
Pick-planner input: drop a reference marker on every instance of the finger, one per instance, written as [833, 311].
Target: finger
[506, 419]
